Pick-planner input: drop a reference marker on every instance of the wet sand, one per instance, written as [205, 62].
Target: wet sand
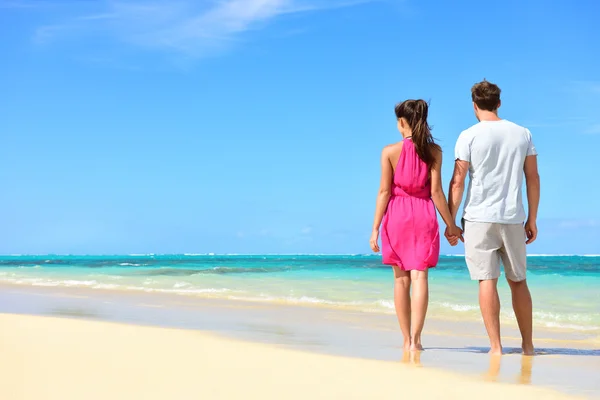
[569, 362]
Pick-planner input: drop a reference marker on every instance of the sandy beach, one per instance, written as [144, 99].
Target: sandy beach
[59, 358]
[75, 339]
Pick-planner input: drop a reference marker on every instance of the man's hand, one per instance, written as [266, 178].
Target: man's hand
[531, 231]
[373, 241]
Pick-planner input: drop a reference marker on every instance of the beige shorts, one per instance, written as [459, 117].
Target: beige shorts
[486, 244]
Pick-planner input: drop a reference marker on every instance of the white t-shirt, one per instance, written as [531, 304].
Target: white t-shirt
[496, 152]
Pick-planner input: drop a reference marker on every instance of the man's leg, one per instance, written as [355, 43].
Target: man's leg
[482, 242]
[489, 302]
[523, 307]
[514, 258]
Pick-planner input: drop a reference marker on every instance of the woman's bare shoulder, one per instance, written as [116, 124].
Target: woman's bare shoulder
[393, 149]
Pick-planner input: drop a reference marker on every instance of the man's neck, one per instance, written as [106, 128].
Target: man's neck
[489, 116]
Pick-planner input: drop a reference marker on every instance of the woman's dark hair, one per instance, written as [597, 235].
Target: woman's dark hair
[415, 114]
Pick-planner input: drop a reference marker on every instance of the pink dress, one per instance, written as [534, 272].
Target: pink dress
[410, 235]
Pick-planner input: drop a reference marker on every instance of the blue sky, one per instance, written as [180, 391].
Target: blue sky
[256, 126]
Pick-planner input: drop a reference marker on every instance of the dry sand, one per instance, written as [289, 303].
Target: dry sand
[55, 358]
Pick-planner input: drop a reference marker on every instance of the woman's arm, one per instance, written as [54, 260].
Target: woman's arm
[437, 194]
[383, 195]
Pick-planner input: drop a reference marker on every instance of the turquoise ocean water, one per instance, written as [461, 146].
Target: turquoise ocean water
[566, 289]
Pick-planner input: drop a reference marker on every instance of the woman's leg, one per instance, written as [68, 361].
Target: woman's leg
[419, 301]
[402, 302]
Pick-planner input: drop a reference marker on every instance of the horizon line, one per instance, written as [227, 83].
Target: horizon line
[252, 254]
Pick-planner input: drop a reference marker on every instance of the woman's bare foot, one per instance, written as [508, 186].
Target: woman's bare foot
[406, 346]
[495, 351]
[416, 346]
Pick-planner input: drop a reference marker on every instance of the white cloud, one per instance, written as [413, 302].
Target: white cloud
[579, 223]
[191, 28]
[306, 230]
[28, 5]
[555, 122]
[17, 4]
[586, 86]
[593, 130]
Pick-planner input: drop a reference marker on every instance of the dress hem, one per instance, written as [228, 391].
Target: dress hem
[391, 264]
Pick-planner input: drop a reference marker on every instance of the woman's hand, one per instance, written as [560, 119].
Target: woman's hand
[453, 234]
[374, 240]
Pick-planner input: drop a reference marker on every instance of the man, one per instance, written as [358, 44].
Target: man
[497, 153]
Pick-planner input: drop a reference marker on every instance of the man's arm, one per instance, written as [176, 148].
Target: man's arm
[462, 157]
[457, 186]
[532, 181]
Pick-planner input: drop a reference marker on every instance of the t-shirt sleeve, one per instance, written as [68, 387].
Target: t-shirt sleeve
[531, 151]
[462, 150]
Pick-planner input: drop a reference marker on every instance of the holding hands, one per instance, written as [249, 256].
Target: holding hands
[453, 234]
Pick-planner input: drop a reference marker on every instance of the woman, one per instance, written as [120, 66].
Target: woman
[410, 186]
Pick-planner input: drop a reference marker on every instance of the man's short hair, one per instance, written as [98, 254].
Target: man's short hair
[486, 95]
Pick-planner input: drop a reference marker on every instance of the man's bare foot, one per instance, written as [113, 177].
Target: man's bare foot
[495, 351]
[416, 347]
[528, 350]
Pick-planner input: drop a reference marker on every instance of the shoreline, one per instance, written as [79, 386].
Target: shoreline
[553, 333]
[567, 363]
[559, 286]
[74, 359]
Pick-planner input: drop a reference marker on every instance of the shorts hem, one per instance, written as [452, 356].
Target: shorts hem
[494, 221]
[484, 278]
